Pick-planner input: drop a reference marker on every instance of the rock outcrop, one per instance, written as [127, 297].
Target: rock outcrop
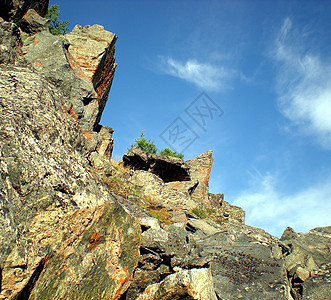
[14, 10]
[63, 235]
[75, 225]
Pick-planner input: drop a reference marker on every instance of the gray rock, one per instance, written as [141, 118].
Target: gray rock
[58, 224]
[289, 234]
[200, 168]
[318, 286]
[185, 284]
[10, 42]
[203, 226]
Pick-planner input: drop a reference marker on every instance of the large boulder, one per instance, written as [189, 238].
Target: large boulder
[195, 284]
[308, 262]
[160, 194]
[61, 231]
[52, 55]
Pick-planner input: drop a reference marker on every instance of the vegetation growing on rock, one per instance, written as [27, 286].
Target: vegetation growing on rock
[149, 147]
[56, 27]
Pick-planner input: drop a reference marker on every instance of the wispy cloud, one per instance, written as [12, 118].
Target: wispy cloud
[204, 75]
[304, 84]
[268, 208]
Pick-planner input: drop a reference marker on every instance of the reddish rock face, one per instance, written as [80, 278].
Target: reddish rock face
[200, 168]
[92, 49]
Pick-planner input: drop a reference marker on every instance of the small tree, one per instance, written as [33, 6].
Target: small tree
[145, 145]
[56, 26]
[168, 152]
[150, 147]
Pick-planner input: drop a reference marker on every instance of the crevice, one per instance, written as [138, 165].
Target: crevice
[192, 189]
[87, 100]
[24, 294]
[124, 295]
[296, 287]
[145, 250]
[190, 228]
[166, 260]
[144, 228]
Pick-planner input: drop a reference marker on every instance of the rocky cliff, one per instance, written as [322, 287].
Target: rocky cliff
[76, 225]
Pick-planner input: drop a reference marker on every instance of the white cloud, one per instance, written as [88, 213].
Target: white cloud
[268, 208]
[304, 84]
[204, 75]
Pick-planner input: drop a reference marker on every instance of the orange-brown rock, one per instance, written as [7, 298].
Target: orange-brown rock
[92, 48]
[200, 168]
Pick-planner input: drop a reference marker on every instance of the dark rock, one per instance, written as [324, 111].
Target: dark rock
[10, 42]
[32, 22]
[14, 10]
[318, 286]
[241, 263]
[168, 168]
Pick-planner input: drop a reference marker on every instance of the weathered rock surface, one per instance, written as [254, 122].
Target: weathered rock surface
[166, 167]
[86, 96]
[160, 194]
[32, 22]
[63, 235]
[229, 212]
[92, 48]
[58, 222]
[10, 42]
[308, 255]
[200, 168]
[74, 225]
[185, 284]
[14, 10]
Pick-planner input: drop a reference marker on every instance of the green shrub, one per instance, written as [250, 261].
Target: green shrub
[200, 213]
[56, 26]
[162, 215]
[168, 152]
[145, 145]
[149, 146]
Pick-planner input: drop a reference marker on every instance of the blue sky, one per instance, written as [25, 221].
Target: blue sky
[264, 68]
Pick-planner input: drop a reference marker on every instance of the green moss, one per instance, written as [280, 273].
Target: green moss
[162, 215]
[200, 213]
[221, 220]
